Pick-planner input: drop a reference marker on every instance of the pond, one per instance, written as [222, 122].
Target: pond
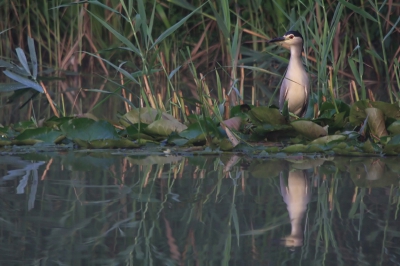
[126, 208]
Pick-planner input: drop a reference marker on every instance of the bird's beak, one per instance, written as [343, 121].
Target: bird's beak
[279, 39]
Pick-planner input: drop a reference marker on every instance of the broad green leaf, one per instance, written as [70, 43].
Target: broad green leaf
[265, 115]
[35, 135]
[164, 127]
[394, 128]
[107, 144]
[88, 130]
[327, 139]
[393, 146]
[309, 129]
[145, 115]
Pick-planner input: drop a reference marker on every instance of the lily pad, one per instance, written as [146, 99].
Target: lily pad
[107, 144]
[394, 128]
[264, 115]
[393, 146]
[148, 116]
[327, 139]
[88, 130]
[358, 114]
[164, 127]
[309, 129]
[43, 134]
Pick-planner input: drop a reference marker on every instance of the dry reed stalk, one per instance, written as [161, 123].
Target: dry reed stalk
[148, 93]
[160, 102]
[353, 83]
[50, 100]
[127, 107]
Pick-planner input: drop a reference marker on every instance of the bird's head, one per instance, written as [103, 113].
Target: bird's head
[290, 38]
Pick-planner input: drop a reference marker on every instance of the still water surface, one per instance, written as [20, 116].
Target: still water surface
[111, 208]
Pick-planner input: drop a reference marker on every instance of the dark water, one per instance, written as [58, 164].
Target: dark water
[94, 208]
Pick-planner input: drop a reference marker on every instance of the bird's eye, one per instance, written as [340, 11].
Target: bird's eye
[291, 36]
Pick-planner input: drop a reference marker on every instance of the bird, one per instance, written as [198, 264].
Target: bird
[295, 88]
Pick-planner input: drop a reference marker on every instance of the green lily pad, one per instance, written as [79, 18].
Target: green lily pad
[226, 145]
[86, 129]
[144, 115]
[264, 115]
[56, 121]
[199, 130]
[21, 126]
[164, 127]
[296, 148]
[358, 114]
[327, 139]
[393, 146]
[43, 134]
[394, 128]
[107, 144]
[309, 129]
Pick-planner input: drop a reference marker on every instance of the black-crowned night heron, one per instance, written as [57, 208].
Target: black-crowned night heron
[295, 88]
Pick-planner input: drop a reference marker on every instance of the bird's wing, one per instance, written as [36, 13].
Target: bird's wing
[304, 108]
[283, 94]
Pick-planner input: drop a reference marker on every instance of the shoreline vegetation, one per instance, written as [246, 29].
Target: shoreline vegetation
[199, 73]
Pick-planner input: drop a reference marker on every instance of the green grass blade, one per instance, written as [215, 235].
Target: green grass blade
[358, 10]
[169, 31]
[106, 7]
[143, 18]
[118, 68]
[392, 29]
[220, 21]
[120, 37]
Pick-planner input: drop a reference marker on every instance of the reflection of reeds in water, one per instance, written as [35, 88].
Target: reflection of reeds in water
[95, 207]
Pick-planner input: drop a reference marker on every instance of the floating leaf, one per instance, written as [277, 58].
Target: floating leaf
[264, 115]
[107, 144]
[89, 130]
[327, 139]
[394, 128]
[148, 116]
[164, 127]
[43, 134]
[309, 129]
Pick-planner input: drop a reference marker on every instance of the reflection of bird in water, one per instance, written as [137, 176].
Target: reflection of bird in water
[296, 195]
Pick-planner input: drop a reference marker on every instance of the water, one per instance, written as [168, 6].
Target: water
[115, 208]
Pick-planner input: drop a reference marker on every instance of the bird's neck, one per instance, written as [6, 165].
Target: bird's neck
[295, 51]
[295, 59]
